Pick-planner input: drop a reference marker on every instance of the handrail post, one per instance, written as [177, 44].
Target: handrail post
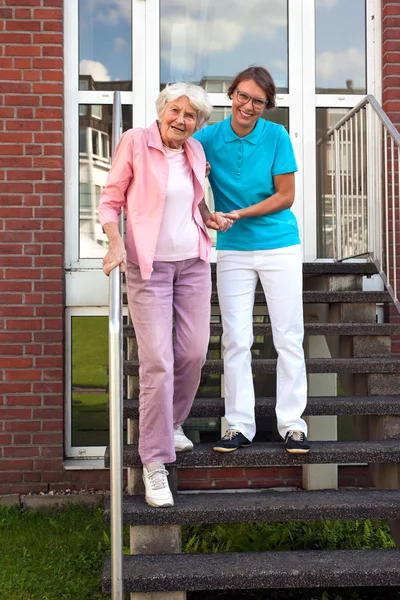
[371, 178]
[115, 401]
[116, 481]
[338, 197]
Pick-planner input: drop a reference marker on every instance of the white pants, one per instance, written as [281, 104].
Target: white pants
[281, 275]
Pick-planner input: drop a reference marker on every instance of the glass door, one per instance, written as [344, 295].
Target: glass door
[316, 50]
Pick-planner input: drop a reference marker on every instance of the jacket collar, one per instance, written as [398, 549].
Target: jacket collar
[155, 141]
[230, 135]
[154, 137]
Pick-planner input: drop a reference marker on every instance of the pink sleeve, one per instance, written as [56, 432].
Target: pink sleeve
[113, 197]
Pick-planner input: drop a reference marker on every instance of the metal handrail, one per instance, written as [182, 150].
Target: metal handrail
[365, 146]
[116, 393]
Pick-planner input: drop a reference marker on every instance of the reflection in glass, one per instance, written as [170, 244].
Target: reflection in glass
[105, 45]
[95, 124]
[352, 175]
[340, 41]
[89, 381]
[208, 42]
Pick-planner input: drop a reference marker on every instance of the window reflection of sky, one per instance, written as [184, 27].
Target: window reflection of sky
[215, 39]
[340, 44]
[105, 40]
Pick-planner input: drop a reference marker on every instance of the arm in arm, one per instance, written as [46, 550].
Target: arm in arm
[215, 220]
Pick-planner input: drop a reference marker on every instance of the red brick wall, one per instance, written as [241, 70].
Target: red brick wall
[391, 93]
[263, 478]
[31, 248]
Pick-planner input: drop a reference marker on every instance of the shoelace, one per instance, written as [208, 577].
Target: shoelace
[158, 478]
[229, 434]
[297, 436]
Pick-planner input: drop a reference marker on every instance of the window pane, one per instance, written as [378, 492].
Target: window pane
[94, 165]
[95, 142]
[105, 45]
[340, 47]
[352, 158]
[82, 140]
[84, 197]
[208, 42]
[89, 381]
[96, 111]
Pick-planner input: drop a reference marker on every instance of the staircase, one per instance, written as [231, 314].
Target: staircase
[344, 316]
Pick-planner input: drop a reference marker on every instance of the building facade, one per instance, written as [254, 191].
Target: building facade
[60, 62]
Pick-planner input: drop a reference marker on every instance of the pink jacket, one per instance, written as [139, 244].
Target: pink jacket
[137, 181]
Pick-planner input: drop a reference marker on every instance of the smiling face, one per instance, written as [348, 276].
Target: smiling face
[244, 116]
[177, 122]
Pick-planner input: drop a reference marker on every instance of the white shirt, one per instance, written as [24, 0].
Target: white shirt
[178, 238]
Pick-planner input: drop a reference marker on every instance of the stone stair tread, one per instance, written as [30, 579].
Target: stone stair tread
[334, 268]
[313, 365]
[252, 570]
[263, 507]
[311, 296]
[316, 405]
[264, 454]
[322, 296]
[373, 329]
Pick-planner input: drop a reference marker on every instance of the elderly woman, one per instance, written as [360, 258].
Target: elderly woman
[158, 175]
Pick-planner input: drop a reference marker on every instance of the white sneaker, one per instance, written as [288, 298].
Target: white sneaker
[181, 442]
[156, 485]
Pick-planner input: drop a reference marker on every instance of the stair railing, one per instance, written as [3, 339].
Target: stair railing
[363, 155]
[115, 396]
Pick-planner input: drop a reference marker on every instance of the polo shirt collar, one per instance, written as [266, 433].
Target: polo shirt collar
[230, 135]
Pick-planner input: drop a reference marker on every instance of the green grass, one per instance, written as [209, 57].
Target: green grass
[52, 557]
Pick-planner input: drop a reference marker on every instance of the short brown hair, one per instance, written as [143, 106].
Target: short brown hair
[262, 77]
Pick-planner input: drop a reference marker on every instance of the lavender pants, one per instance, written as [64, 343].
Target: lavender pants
[169, 369]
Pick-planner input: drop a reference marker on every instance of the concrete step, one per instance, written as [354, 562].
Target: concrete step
[316, 405]
[350, 329]
[323, 297]
[263, 507]
[267, 454]
[252, 570]
[332, 268]
[314, 365]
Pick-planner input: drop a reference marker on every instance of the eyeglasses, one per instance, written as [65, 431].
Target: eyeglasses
[243, 98]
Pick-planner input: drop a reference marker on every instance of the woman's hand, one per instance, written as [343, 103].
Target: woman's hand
[208, 169]
[115, 256]
[219, 221]
[232, 216]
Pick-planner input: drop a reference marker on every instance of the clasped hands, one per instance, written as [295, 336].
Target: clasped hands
[222, 221]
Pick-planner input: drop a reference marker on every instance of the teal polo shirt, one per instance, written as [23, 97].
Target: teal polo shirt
[242, 171]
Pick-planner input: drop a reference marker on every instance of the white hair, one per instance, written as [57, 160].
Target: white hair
[198, 98]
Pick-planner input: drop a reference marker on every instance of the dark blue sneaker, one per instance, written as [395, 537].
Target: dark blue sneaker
[296, 442]
[232, 440]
